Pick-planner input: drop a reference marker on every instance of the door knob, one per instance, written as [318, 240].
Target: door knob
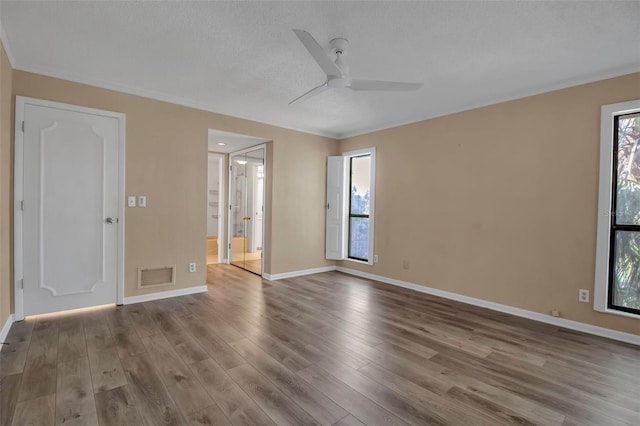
[246, 218]
[111, 220]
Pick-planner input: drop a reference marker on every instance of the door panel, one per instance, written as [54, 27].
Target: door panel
[247, 201]
[334, 248]
[70, 188]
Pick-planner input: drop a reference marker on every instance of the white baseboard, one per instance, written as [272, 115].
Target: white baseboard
[292, 274]
[165, 294]
[536, 316]
[6, 328]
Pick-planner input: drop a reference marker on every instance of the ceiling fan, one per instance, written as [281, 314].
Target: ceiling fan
[337, 70]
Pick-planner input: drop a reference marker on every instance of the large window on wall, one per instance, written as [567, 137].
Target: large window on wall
[359, 206]
[350, 206]
[617, 287]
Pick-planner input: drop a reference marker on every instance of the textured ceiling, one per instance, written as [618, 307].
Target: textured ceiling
[232, 141]
[242, 59]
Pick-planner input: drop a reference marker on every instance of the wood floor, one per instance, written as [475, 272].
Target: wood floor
[254, 266]
[326, 349]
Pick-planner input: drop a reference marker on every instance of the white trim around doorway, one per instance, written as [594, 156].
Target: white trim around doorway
[221, 202]
[264, 204]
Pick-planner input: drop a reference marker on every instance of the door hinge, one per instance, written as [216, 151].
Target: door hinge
[229, 245]
[22, 126]
[22, 283]
[21, 205]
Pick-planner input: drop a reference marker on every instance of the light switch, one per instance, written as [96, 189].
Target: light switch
[131, 202]
[142, 201]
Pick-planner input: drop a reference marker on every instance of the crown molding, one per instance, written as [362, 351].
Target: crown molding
[204, 106]
[564, 84]
[158, 96]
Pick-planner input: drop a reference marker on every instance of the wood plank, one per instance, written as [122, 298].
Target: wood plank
[321, 408]
[211, 416]
[184, 344]
[12, 362]
[19, 336]
[36, 412]
[117, 407]
[352, 400]
[141, 321]
[239, 408]
[97, 333]
[281, 409]
[106, 370]
[349, 421]
[185, 390]
[71, 340]
[213, 344]
[126, 339]
[9, 387]
[151, 397]
[39, 377]
[74, 394]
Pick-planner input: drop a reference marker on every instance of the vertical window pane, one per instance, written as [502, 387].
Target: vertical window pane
[359, 237]
[626, 286]
[360, 185]
[628, 172]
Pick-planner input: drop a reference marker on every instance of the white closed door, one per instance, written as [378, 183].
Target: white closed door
[70, 211]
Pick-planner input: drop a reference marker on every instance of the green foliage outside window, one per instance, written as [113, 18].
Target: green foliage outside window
[626, 291]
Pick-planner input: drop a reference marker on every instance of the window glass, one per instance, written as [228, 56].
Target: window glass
[628, 171]
[624, 264]
[360, 185]
[359, 238]
[359, 206]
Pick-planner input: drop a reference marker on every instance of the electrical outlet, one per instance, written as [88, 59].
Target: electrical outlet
[192, 267]
[375, 258]
[555, 313]
[405, 264]
[131, 201]
[583, 295]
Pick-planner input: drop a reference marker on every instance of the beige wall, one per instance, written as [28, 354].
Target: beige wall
[498, 203]
[296, 196]
[166, 160]
[6, 124]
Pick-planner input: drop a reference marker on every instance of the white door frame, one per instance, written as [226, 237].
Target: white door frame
[264, 203]
[18, 194]
[221, 204]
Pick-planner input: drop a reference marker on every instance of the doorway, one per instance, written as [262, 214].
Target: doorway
[246, 205]
[215, 202]
[69, 228]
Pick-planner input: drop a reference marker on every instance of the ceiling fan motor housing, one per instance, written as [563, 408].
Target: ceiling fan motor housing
[339, 45]
[339, 48]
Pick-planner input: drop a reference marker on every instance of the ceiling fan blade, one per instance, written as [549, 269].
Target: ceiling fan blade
[382, 85]
[318, 89]
[318, 53]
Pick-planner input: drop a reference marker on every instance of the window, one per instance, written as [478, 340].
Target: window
[350, 206]
[359, 205]
[617, 287]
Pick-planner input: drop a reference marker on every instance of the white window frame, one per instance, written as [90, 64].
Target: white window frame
[601, 285]
[372, 202]
[338, 204]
